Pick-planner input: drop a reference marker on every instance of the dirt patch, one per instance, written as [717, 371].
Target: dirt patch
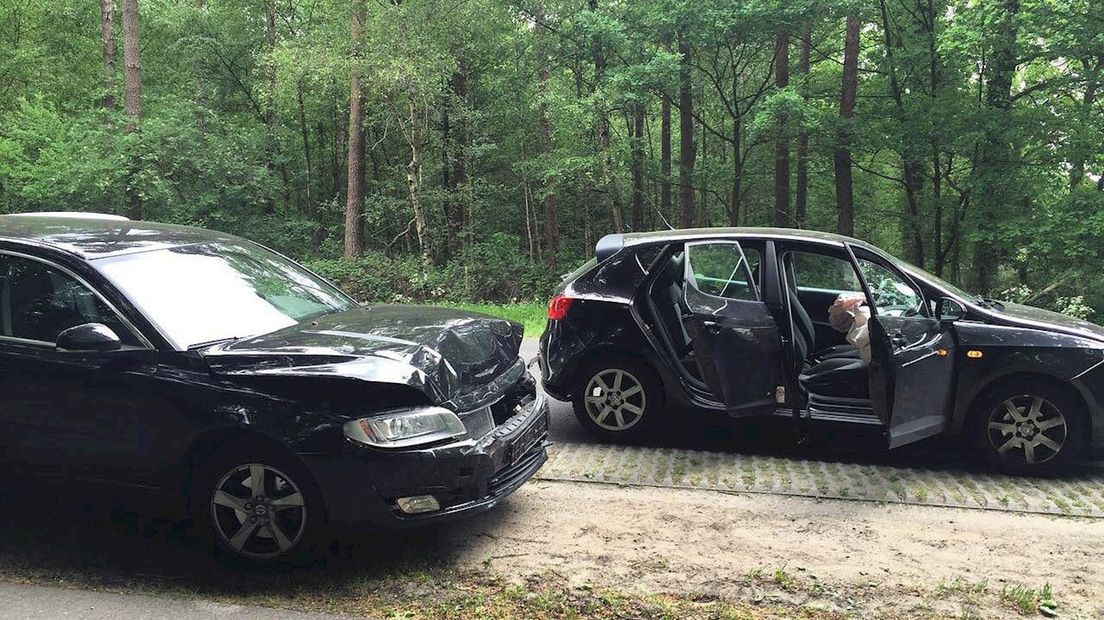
[863, 557]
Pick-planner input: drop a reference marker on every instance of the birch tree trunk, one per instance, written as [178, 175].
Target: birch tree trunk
[107, 25]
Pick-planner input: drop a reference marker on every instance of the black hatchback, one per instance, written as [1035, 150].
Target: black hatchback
[738, 321]
[247, 391]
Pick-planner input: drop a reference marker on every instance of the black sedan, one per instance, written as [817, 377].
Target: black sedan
[248, 391]
[737, 321]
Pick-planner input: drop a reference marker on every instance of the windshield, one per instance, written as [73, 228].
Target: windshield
[204, 293]
[934, 279]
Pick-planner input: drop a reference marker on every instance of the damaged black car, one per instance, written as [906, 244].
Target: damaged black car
[820, 328]
[247, 391]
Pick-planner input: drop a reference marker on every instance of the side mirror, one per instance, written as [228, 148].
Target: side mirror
[88, 338]
[949, 310]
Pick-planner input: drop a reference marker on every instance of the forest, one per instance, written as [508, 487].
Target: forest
[472, 150]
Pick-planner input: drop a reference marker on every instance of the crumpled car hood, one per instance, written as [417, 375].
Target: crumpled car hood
[459, 359]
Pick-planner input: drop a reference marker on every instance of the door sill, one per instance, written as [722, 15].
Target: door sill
[840, 410]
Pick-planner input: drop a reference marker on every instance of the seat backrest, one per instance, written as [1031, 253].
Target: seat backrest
[667, 296]
[804, 333]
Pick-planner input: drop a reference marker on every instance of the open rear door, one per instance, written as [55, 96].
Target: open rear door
[734, 336]
[911, 376]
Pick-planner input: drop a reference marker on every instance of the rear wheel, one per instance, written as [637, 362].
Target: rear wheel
[1031, 429]
[258, 505]
[618, 400]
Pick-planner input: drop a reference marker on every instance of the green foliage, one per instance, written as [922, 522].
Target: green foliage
[496, 273]
[249, 135]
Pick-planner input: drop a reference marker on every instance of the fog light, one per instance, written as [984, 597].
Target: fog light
[418, 503]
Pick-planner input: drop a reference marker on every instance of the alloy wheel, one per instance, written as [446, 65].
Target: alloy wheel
[1027, 429]
[258, 511]
[615, 399]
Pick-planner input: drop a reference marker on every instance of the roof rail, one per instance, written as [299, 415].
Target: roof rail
[74, 214]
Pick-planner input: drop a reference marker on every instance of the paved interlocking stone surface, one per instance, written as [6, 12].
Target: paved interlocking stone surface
[1079, 494]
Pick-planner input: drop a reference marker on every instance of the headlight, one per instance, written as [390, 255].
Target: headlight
[405, 427]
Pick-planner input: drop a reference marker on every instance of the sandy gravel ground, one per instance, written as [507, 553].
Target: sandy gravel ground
[861, 558]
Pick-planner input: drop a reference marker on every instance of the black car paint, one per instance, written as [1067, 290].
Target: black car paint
[1014, 342]
[144, 417]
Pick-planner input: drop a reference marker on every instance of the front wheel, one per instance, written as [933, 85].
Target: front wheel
[259, 506]
[618, 400]
[1031, 429]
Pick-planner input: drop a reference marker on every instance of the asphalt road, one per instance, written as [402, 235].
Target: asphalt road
[33, 602]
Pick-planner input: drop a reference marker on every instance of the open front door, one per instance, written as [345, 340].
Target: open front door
[734, 336]
[911, 358]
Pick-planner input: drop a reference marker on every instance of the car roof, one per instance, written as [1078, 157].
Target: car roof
[611, 243]
[97, 235]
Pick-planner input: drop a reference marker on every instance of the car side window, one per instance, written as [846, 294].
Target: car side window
[722, 270]
[38, 302]
[824, 273]
[893, 296]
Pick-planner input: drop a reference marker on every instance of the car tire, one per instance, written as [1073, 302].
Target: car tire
[287, 525]
[618, 400]
[1019, 425]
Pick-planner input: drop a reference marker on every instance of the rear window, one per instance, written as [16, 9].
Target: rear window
[580, 270]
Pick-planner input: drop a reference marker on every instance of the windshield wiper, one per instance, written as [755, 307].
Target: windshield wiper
[210, 343]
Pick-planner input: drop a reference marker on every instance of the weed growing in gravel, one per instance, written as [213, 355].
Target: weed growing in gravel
[963, 587]
[784, 580]
[1029, 600]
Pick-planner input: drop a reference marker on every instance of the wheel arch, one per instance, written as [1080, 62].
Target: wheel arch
[972, 410]
[206, 444]
[609, 351]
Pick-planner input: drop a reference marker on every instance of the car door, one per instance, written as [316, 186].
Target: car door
[71, 413]
[734, 337]
[912, 357]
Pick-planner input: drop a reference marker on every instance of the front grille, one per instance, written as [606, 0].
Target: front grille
[478, 423]
[509, 477]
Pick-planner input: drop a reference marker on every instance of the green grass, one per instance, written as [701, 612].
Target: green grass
[532, 315]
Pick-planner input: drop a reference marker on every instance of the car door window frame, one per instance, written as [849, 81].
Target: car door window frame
[144, 342]
[688, 274]
[870, 257]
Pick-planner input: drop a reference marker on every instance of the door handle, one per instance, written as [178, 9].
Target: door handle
[711, 327]
[897, 339]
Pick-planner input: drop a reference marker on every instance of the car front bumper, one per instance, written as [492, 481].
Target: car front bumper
[360, 485]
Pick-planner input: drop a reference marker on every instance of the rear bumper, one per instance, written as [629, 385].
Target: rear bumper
[360, 485]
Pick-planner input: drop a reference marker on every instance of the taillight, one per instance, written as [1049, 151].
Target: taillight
[557, 308]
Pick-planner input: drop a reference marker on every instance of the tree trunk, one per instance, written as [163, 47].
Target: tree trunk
[548, 200]
[354, 205]
[782, 143]
[270, 95]
[686, 136]
[602, 129]
[665, 157]
[200, 83]
[107, 21]
[132, 99]
[912, 240]
[413, 180]
[845, 201]
[801, 196]
[1088, 101]
[638, 168]
[308, 207]
[734, 215]
[995, 154]
[458, 178]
